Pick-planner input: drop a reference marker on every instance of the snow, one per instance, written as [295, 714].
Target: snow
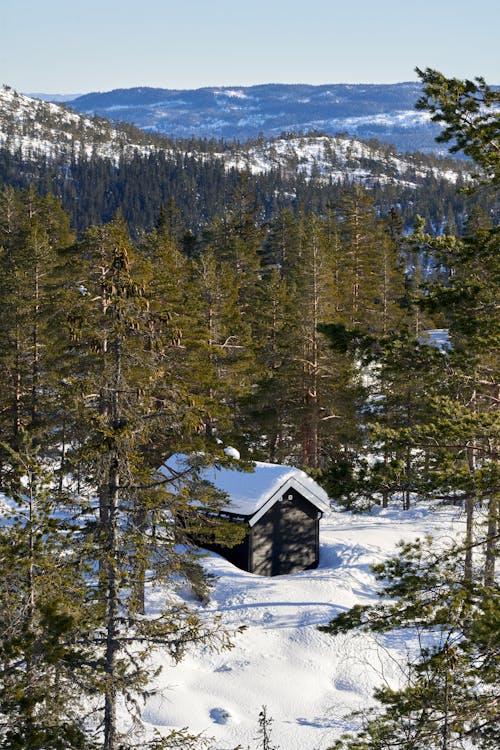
[328, 158]
[63, 136]
[438, 337]
[334, 158]
[308, 681]
[233, 94]
[401, 118]
[232, 452]
[250, 491]
[5, 507]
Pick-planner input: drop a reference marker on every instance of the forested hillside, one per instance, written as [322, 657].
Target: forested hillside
[386, 112]
[292, 325]
[96, 168]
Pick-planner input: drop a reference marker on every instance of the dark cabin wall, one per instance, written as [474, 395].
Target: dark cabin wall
[262, 540]
[238, 555]
[286, 538]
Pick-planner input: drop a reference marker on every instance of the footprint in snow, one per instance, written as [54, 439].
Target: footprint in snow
[224, 668]
[219, 715]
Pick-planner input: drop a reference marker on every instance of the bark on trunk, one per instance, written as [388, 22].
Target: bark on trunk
[491, 542]
[112, 643]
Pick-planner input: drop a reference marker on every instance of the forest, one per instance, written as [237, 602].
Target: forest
[301, 333]
[96, 168]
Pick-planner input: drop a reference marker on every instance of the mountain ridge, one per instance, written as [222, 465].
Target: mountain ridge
[36, 127]
[96, 167]
[383, 111]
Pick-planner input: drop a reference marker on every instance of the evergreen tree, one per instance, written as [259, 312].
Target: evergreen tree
[264, 733]
[48, 615]
[32, 229]
[118, 355]
[448, 699]
[469, 112]
[452, 597]
[314, 277]
[370, 277]
[320, 400]
[266, 411]
[225, 360]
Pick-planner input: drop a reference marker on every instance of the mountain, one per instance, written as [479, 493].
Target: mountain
[339, 158]
[56, 98]
[97, 167]
[382, 111]
[35, 128]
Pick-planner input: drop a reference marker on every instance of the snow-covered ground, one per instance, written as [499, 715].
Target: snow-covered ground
[308, 680]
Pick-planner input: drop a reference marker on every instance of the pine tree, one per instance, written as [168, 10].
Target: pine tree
[370, 277]
[118, 353]
[48, 616]
[322, 382]
[268, 420]
[266, 411]
[32, 230]
[469, 112]
[314, 274]
[173, 343]
[226, 363]
[449, 700]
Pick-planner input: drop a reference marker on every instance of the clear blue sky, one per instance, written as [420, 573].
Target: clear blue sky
[70, 46]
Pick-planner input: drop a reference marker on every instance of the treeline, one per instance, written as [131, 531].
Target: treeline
[237, 306]
[257, 323]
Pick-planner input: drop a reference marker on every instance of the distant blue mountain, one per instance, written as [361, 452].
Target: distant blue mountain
[382, 111]
[56, 98]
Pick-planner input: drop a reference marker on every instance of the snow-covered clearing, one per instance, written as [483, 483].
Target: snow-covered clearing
[309, 681]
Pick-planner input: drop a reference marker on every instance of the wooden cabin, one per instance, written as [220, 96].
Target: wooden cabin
[281, 507]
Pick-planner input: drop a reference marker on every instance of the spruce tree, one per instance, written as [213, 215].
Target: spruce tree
[32, 230]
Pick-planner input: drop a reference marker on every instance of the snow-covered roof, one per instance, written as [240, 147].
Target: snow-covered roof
[251, 493]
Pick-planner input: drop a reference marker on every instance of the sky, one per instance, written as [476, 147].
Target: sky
[78, 46]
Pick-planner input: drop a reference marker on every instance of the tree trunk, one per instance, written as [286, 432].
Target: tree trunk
[470, 502]
[138, 599]
[491, 541]
[112, 644]
[469, 536]
[31, 671]
[111, 565]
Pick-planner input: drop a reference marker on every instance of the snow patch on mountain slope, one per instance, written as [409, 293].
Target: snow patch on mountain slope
[35, 128]
[331, 158]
